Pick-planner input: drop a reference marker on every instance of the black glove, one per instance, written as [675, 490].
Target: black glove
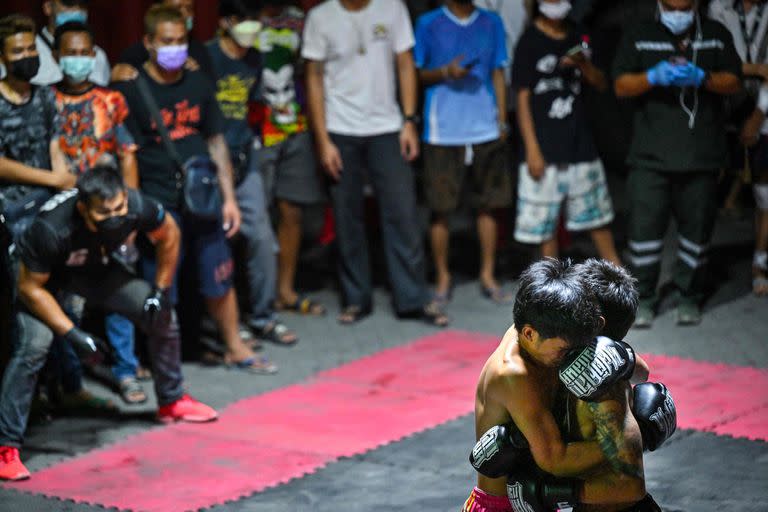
[655, 412]
[536, 491]
[498, 450]
[89, 347]
[157, 309]
[588, 373]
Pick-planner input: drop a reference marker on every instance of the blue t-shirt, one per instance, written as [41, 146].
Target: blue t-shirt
[459, 112]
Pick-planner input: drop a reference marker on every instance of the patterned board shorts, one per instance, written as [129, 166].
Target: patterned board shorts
[583, 188]
[481, 501]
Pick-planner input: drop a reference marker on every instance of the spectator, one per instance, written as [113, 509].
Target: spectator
[187, 103]
[137, 54]
[30, 154]
[93, 131]
[287, 158]
[552, 63]
[355, 49]
[678, 66]
[461, 55]
[64, 251]
[237, 69]
[747, 22]
[59, 12]
[514, 18]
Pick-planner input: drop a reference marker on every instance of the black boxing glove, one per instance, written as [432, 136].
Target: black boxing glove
[157, 308]
[589, 372]
[655, 412]
[497, 451]
[89, 347]
[536, 491]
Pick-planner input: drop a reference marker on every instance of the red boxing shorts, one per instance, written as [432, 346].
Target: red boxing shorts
[481, 501]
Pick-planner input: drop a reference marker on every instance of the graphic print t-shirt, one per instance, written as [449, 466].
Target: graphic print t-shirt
[236, 87]
[26, 132]
[93, 127]
[557, 104]
[282, 110]
[191, 115]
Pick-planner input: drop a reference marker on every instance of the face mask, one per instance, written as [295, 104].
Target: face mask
[676, 21]
[67, 16]
[24, 69]
[245, 33]
[189, 22]
[113, 231]
[555, 10]
[171, 58]
[77, 68]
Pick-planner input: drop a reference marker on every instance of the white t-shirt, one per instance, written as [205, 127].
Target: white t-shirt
[358, 50]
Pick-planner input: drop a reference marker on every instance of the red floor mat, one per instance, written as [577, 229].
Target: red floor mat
[269, 439]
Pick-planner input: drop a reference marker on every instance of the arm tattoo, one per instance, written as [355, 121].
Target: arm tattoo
[610, 437]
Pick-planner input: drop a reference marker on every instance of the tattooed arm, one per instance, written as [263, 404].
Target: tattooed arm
[618, 435]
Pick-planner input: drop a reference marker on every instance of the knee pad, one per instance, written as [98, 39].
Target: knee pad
[761, 195]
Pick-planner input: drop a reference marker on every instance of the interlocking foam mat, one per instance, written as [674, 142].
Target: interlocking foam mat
[272, 438]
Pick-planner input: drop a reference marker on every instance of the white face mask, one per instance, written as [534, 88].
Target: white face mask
[676, 21]
[245, 33]
[555, 10]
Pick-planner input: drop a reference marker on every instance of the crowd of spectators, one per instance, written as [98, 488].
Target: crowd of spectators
[284, 112]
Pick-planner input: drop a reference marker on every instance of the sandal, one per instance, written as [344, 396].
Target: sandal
[131, 391]
[352, 314]
[276, 332]
[256, 365]
[496, 295]
[433, 315]
[304, 306]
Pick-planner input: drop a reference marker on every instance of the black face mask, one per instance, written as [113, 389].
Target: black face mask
[24, 69]
[114, 230]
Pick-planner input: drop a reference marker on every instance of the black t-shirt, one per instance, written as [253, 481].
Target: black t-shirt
[237, 84]
[59, 243]
[136, 55]
[557, 104]
[662, 138]
[191, 115]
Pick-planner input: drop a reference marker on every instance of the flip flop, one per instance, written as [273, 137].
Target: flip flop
[275, 332]
[303, 305]
[131, 391]
[256, 365]
[352, 314]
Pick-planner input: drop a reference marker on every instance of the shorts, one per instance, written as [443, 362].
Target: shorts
[290, 171]
[647, 504]
[207, 243]
[445, 170]
[581, 185]
[481, 501]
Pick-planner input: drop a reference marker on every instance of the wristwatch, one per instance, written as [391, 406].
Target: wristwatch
[413, 118]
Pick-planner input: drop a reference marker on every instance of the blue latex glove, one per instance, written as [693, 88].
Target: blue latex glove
[662, 74]
[688, 75]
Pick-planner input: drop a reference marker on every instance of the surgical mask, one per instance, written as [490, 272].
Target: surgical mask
[77, 68]
[68, 16]
[676, 21]
[245, 33]
[24, 69]
[189, 22]
[172, 58]
[555, 10]
[114, 230]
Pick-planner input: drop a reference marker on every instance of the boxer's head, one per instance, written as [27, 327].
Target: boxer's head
[554, 311]
[615, 291]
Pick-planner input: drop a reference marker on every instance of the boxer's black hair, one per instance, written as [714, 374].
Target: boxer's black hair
[615, 291]
[554, 300]
[101, 181]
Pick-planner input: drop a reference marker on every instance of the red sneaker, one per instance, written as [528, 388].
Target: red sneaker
[11, 467]
[188, 409]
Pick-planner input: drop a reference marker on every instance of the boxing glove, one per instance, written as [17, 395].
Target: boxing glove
[589, 372]
[499, 450]
[654, 410]
[538, 492]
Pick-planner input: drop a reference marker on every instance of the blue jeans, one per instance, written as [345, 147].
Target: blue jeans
[120, 334]
[114, 290]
